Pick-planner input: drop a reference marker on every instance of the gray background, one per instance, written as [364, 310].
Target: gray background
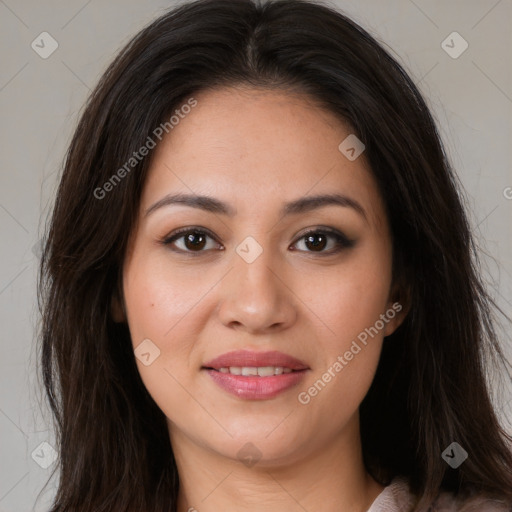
[40, 100]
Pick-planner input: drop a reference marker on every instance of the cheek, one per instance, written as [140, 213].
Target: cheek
[351, 298]
[350, 303]
[336, 392]
[159, 297]
[162, 306]
[348, 356]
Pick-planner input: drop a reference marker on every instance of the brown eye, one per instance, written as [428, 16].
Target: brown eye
[316, 242]
[195, 241]
[190, 241]
[320, 239]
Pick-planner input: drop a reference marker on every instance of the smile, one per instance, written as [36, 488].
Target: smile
[255, 375]
[262, 371]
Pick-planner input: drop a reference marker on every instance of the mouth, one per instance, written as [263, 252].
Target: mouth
[255, 375]
[253, 371]
[252, 361]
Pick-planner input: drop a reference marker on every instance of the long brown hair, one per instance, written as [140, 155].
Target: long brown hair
[430, 388]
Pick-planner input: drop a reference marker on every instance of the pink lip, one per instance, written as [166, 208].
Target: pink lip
[251, 358]
[254, 387]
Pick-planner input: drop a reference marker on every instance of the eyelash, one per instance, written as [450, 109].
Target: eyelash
[342, 242]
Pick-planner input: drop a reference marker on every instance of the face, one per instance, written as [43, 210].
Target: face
[261, 280]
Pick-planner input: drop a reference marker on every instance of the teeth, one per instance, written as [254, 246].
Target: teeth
[261, 371]
[266, 371]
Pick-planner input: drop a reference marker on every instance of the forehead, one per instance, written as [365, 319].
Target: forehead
[258, 149]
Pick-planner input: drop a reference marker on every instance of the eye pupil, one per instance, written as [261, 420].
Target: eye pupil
[316, 244]
[197, 240]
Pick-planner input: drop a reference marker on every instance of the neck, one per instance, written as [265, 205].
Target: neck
[328, 479]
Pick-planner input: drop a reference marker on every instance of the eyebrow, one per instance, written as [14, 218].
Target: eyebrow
[301, 205]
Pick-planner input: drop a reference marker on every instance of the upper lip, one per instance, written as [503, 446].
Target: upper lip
[249, 358]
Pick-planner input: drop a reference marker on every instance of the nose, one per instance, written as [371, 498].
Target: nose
[257, 297]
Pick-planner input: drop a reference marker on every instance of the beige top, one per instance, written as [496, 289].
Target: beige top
[396, 497]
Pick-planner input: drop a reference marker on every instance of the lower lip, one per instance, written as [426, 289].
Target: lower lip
[256, 388]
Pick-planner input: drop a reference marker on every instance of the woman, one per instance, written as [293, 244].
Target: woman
[259, 288]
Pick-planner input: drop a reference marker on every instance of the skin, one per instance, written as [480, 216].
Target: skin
[256, 150]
